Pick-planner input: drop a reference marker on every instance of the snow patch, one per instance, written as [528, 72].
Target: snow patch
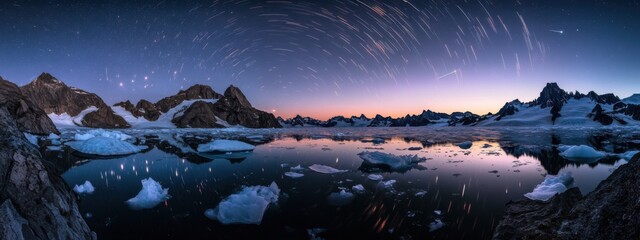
[551, 186]
[151, 195]
[245, 207]
[65, 120]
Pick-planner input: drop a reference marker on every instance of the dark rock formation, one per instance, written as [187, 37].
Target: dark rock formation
[380, 121]
[509, 108]
[633, 111]
[302, 121]
[29, 117]
[194, 92]
[234, 108]
[34, 204]
[199, 115]
[53, 96]
[598, 115]
[149, 110]
[466, 118]
[611, 211]
[551, 95]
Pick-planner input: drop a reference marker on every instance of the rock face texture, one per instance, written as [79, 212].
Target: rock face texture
[34, 204]
[234, 108]
[199, 115]
[611, 211]
[194, 92]
[29, 117]
[53, 96]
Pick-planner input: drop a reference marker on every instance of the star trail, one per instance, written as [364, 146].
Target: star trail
[326, 58]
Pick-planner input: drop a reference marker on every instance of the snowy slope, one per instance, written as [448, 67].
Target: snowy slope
[65, 121]
[633, 99]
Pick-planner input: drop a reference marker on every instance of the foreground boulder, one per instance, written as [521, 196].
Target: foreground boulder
[611, 211]
[34, 204]
[53, 96]
[28, 116]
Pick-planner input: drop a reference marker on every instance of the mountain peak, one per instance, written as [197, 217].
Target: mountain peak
[234, 93]
[47, 78]
[552, 95]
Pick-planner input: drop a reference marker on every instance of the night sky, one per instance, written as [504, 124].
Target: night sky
[323, 58]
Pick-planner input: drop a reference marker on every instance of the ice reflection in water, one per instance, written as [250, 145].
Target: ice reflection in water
[465, 188]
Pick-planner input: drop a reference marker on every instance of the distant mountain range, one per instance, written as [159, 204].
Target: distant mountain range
[199, 106]
[554, 107]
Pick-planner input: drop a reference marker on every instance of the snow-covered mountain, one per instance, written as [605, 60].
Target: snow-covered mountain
[553, 107]
[70, 106]
[198, 107]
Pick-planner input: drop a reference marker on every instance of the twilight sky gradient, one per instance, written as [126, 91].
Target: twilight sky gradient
[326, 58]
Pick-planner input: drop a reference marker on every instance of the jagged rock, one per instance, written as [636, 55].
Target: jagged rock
[466, 118]
[29, 117]
[509, 108]
[104, 117]
[599, 116]
[194, 92]
[127, 105]
[619, 106]
[53, 96]
[633, 111]
[380, 121]
[551, 95]
[234, 108]
[611, 211]
[434, 116]
[149, 110]
[34, 204]
[199, 115]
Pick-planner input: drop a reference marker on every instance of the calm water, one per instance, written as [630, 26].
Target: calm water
[469, 186]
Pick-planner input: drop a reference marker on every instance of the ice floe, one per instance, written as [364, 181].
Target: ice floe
[33, 139]
[294, 174]
[581, 153]
[151, 195]
[340, 198]
[551, 186]
[222, 145]
[297, 168]
[394, 162]
[85, 188]
[245, 207]
[375, 177]
[325, 169]
[104, 146]
[435, 225]
[628, 155]
[101, 133]
[358, 188]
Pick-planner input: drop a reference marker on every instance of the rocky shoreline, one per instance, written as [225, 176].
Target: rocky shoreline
[611, 211]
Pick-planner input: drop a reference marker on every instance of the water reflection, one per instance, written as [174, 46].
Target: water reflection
[465, 188]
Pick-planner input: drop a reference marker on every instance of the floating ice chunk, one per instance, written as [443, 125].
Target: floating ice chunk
[465, 145]
[245, 207]
[151, 195]
[358, 188]
[104, 146]
[580, 153]
[421, 193]
[293, 174]
[54, 148]
[297, 168]
[53, 136]
[33, 139]
[395, 162]
[340, 198]
[551, 186]
[313, 233]
[387, 184]
[437, 224]
[86, 187]
[325, 169]
[101, 133]
[222, 145]
[437, 212]
[628, 155]
[375, 177]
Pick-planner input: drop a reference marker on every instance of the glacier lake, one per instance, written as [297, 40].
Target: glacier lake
[457, 191]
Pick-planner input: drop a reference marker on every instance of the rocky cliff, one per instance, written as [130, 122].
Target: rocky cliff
[28, 116]
[53, 96]
[34, 204]
[611, 211]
